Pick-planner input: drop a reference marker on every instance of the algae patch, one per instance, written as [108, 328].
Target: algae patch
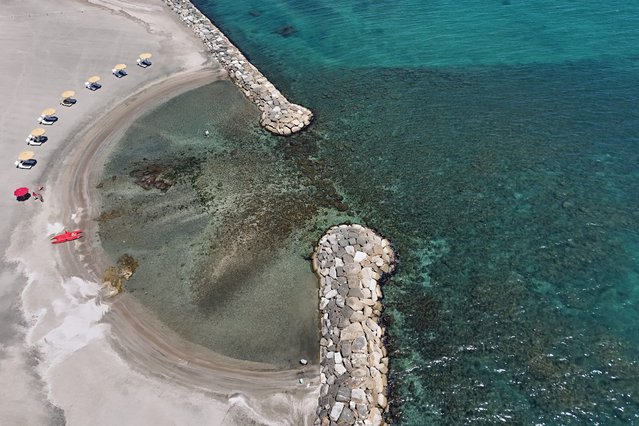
[115, 277]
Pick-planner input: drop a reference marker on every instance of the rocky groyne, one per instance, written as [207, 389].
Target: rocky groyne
[350, 261]
[279, 116]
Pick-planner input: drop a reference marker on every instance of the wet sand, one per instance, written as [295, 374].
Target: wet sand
[68, 354]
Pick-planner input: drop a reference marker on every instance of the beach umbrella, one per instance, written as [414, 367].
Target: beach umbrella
[119, 67]
[21, 191]
[94, 79]
[68, 94]
[26, 155]
[145, 56]
[36, 133]
[48, 112]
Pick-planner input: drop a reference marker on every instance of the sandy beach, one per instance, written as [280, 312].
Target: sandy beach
[68, 354]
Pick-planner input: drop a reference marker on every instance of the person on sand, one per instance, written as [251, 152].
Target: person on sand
[37, 195]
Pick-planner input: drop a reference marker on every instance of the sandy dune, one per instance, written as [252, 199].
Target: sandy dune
[68, 354]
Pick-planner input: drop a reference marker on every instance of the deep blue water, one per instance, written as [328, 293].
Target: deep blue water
[496, 144]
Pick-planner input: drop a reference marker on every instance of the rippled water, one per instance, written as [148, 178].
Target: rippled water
[496, 144]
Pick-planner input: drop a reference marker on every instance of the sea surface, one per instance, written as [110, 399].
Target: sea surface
[495, 143]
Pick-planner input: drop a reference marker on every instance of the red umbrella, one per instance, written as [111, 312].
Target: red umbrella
[21, 191]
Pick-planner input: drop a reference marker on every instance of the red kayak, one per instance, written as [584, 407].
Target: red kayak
[67, 236]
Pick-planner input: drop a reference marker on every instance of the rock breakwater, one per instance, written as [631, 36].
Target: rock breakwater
[351, 260]
[279, 116]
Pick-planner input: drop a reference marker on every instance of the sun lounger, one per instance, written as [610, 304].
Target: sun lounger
[67, 102]
[144, 63]
[47, 120]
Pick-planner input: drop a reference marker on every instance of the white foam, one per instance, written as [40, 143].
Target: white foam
[76, 217]
[54, 228]
[74, 322]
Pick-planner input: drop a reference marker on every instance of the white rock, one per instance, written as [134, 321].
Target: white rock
[331, 272]
[371, 284]
[381, 400]
[378, 382]
[336, 411]
[360, 373]
[358, 395]
[350, 250]
[359, 256]
[340, 369]
[338, 358]
[331, 294]
[339, 261]
[367, 272]
[357, 316]
[355, 303]
[375, 417]
[359, 360]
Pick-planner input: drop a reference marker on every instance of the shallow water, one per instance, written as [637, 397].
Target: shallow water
[206, 267]
[497, 146]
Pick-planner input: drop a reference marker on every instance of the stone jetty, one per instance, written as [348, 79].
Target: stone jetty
[279, 116]
[350, 260]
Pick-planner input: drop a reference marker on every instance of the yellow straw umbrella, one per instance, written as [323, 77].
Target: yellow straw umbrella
[145, 56]
[26, 155]
[94, 79]
[48, 111]
[119, 67]
[67, 94]
[36, 133]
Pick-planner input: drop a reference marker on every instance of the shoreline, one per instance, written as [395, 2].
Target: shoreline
[96, 142]
[137, 335]
[67, 325]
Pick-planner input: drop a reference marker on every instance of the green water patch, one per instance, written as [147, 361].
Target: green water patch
[222, 225]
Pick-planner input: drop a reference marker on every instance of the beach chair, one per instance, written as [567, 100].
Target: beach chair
[119, 70]
[143, 60]
[92, 83]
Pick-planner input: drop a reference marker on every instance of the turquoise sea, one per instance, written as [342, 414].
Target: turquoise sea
[496, 143]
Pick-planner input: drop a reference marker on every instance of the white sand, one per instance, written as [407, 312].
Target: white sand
[67, 354]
